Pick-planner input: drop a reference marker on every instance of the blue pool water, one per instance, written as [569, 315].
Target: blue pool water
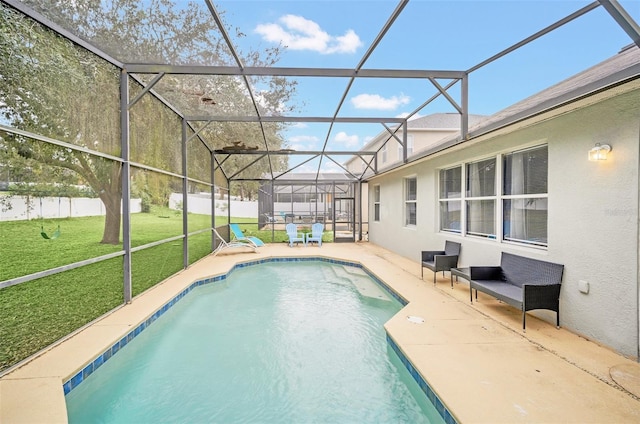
[273, 343]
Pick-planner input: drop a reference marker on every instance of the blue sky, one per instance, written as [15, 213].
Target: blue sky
[433, 35]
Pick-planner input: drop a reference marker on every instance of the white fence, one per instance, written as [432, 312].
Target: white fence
[201, 203]
[25, 208]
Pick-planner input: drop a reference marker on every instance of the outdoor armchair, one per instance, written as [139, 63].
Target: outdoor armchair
[440, 260]
[316, 233]
[294, 235]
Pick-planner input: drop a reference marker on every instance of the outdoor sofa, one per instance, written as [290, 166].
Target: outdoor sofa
[524, 283]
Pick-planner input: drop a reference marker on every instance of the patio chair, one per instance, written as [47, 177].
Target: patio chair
[223, 245]
[440, 260]
[316, 233]
[239, 235]
[294, 235]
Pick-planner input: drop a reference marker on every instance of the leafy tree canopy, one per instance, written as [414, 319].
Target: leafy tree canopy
[52, 87]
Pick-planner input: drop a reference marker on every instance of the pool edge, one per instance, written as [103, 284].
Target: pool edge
[76, 378]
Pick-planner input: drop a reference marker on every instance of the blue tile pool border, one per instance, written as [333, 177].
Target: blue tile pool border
[89, 369]
[446, 415]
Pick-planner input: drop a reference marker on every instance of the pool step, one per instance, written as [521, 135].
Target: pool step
[368, 288]
[360, 280]
[354, 270]
[335, 276]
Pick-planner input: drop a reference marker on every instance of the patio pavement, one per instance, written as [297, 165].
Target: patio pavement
[475, 357]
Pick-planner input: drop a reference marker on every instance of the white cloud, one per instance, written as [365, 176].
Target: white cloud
[298, 33]
[377, 102]
[347, 140]
[405, 114]
[303, 139]
[303, 142]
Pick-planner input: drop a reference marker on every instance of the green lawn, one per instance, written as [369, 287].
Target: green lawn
[37, 313]
[24, 251]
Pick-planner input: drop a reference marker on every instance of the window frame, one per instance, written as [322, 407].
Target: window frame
[376, 203]
[449, 200]
[409, 147]
[499, 198]
[504, 198]
[409, 204]
[473, 198]
[409, 144]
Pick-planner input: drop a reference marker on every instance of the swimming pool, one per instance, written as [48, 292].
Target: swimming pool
[271, 343]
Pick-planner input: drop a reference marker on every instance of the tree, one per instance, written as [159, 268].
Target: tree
[52, 87]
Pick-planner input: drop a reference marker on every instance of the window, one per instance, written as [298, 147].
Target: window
[384, 153]
[410, 204]
[524, 200]
[481, 198]
[376, 203]
[450, 199]
[409, 147]
[517, 212]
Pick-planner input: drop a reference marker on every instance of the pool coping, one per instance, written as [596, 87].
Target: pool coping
[464, 349]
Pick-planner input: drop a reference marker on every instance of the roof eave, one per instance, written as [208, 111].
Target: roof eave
[572, 97]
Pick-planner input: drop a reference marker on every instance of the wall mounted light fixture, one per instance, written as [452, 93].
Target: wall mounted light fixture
[599, 152]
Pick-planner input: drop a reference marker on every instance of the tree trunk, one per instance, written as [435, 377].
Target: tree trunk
[113, 217]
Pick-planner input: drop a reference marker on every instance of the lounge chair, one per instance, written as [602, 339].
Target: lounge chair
[316, 233]
[239, 235]
[223, 245]
[440, 260]
[294, 235]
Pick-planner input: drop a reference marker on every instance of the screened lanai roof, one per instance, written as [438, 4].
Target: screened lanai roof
[336, 96]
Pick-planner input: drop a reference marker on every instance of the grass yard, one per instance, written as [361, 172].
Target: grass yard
[37, 313]
[25, 252]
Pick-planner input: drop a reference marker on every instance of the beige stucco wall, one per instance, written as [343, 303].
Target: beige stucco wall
[422, 140]
[593, 214]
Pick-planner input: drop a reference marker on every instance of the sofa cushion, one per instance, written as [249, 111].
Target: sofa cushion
[501, 290]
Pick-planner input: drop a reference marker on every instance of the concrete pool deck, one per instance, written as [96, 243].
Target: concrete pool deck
[475, 357]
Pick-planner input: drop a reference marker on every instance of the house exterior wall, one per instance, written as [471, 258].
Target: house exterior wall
[592, 214]
[422, 140]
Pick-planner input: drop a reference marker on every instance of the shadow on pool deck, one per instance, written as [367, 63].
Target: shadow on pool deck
[475, 357]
